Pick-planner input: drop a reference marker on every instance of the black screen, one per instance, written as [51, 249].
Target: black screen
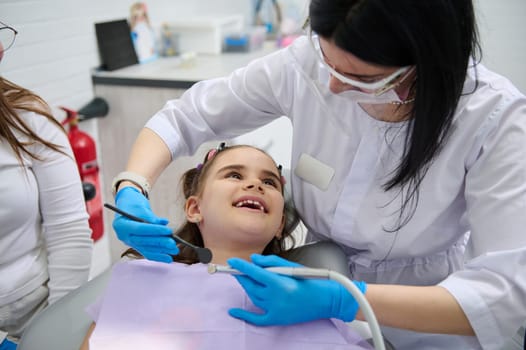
[115, 44]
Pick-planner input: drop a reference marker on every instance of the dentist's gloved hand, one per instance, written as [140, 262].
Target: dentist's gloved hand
[8, 345]
[287, 300]
[153, 239]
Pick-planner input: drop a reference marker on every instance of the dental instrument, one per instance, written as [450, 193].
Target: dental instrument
[306, 272]
[203, 254]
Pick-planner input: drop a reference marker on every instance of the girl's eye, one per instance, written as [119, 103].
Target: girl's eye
[234, 175]
[270, 182]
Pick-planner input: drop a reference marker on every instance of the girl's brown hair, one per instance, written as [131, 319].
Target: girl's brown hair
[14, 98]
[193, 181]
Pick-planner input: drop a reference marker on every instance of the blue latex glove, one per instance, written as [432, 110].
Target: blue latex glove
[153, 239]
[286, 300]
[8, 345]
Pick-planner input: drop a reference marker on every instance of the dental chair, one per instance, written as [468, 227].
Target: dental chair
[63, 325]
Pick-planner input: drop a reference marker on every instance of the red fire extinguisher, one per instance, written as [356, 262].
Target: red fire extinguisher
[84, 149]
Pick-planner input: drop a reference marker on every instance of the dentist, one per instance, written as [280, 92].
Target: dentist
[407, 152]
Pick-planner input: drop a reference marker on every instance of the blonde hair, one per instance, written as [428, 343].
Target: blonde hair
[14, 98]
[138, 7]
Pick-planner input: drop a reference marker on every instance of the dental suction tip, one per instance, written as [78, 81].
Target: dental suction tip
[212, 268]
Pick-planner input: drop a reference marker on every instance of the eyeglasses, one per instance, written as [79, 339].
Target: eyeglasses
[7, 36]
[376, 87]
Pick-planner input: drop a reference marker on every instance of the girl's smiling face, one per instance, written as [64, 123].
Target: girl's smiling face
[240, 208]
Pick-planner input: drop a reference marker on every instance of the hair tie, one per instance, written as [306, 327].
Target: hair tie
[281, 177]
[211, 154]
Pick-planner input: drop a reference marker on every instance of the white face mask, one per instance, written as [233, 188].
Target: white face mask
[384, 107]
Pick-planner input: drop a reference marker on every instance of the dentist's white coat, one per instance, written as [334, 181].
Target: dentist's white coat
[468, 232]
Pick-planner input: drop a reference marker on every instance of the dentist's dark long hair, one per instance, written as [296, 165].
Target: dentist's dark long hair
[439, 37]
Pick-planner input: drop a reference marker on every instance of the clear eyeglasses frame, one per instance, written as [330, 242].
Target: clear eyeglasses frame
[377, 87]
[7, 36]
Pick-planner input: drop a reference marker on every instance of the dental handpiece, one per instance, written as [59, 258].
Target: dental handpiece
[300, 272]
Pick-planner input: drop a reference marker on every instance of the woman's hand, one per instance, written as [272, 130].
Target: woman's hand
[8, 345]
[153, 240]
[287, 300]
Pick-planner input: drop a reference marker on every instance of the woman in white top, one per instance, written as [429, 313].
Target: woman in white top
[45, 243]
[406, 151]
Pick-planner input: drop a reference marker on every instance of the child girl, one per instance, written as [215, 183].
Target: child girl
[235, 207]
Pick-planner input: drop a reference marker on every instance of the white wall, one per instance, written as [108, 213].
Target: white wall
[503, 35]
[56, 46]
